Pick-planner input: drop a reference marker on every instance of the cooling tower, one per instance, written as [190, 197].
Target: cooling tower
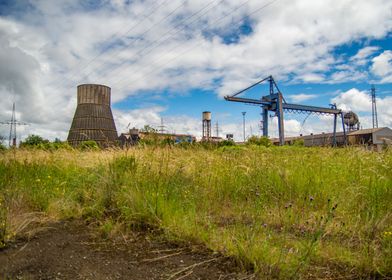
[93, 118]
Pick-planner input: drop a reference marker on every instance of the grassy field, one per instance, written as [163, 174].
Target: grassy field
[285, 212]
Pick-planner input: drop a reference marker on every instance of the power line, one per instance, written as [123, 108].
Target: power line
[148, 15]
[189, 49]
[156, 43]
[13, 123]
[115, 54]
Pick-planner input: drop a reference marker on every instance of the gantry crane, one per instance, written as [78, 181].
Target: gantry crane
[275, 102]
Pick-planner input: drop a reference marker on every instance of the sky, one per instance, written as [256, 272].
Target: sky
[170, 60]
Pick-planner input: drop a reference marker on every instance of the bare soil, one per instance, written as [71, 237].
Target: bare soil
[72, 250]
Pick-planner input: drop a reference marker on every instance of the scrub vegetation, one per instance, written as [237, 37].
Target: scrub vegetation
[283, 212]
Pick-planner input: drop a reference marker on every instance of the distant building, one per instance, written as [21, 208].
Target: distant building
[372, 137]
[134, 136]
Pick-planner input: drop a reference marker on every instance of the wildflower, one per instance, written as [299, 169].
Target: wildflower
[38, 180]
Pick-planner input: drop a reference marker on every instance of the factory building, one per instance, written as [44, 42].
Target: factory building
[93, 119]
[373, 137]
[133, 136]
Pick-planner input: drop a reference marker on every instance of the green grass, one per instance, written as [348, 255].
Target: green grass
[286, 212]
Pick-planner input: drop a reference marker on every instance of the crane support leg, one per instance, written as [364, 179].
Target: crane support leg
[344, 129]
[335, 119]
[265, 121]
[280, 119]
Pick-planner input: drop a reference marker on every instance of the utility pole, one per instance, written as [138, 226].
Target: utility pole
[243, 123]
[374, 107]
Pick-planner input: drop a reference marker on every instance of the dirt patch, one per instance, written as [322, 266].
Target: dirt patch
[69, 250]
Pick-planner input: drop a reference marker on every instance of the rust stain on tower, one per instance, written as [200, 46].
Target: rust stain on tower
[93, 118]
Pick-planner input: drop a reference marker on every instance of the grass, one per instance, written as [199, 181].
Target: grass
[285, 212]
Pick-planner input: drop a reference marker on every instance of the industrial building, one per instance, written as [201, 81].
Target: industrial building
[93, 118]
[133, 136]
[372, 137]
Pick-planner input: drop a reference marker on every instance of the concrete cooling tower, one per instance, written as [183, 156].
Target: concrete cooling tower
[93, 118]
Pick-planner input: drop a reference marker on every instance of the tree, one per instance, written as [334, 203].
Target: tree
[2, 146]
[33, 141]
[148, 129]
[259, 141]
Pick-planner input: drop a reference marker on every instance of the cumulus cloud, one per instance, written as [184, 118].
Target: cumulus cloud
[297, 98]
[360, 102]
[382, 66]
[48, 47]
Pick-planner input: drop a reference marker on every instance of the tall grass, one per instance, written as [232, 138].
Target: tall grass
[286, 212]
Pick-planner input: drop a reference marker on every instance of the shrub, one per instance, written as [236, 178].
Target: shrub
[34, 141]
[259, 141]
[88, 145]
[225, 143]
[299, 142]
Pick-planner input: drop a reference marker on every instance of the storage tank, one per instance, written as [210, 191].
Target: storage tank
[206, 116]
[93, 118]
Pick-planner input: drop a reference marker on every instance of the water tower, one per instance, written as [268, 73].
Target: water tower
[93, 118]
[206, 126]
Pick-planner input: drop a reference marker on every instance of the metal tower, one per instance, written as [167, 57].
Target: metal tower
[374, 107]
[13, 123]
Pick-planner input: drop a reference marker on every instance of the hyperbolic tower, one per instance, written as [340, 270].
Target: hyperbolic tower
[93, 118]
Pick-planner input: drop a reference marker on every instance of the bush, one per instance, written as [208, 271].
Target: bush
[259, 141]
[34, 141]
[88, 145]
[226, 143]
[299, 142]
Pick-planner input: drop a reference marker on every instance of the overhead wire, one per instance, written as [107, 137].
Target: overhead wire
[189, 49]
[116, 53]
[158, 42]
[117, 34]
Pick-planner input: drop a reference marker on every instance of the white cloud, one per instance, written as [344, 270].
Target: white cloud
[46, 50]
[297, 98]
[360, 102]
[353, 100]
[382, 66]
[361, 57]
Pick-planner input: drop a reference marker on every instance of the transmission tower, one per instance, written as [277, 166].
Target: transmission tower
[162, 127]
[374, 107]
[12, 123]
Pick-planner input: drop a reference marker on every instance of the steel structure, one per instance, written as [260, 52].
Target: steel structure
[13, 123]
[275, 102]
[374, 108]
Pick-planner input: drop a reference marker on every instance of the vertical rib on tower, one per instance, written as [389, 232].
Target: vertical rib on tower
[93, 118]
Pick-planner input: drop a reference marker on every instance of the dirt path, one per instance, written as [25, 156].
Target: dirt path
[69, 250]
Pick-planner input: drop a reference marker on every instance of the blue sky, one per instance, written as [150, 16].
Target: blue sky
[173, 59]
